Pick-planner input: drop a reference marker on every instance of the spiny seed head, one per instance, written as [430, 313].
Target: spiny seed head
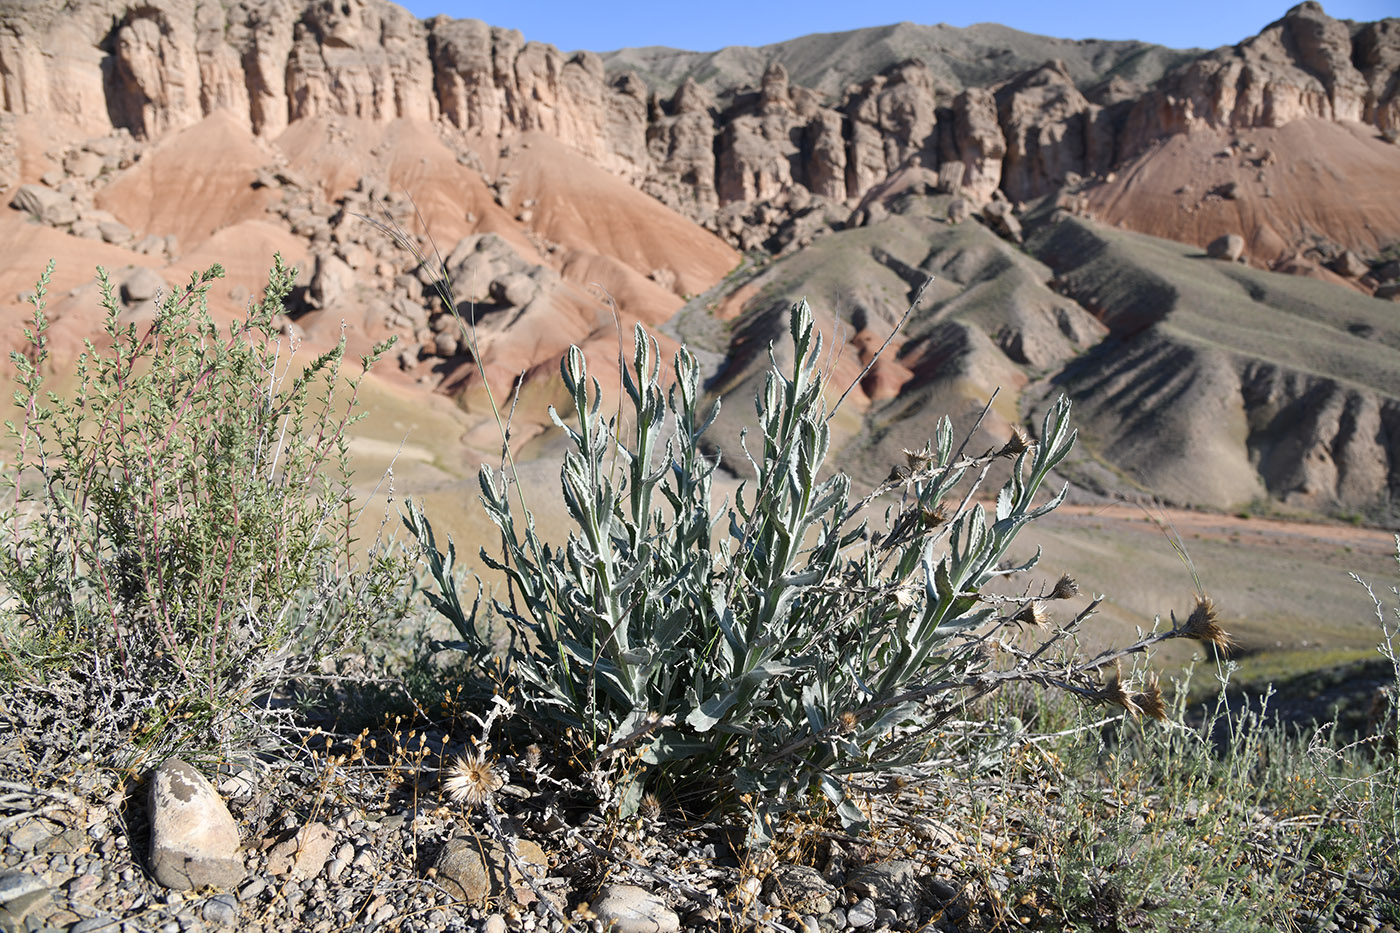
[472, 780]
[1065, 588]
[1113, 692]
[1032, 613]
[1018, 443]
[1149, 699]
[650, 807]
[532, 757]
[847, 722]
[918, 459]
[935, 516]
[1204, 625]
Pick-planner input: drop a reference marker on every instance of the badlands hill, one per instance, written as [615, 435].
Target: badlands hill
[1062, 193]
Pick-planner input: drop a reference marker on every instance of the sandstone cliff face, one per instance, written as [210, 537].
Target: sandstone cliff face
[1304, 65]
[157, 67]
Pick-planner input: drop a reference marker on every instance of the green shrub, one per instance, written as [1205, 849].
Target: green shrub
[794, 648]
[181, 524]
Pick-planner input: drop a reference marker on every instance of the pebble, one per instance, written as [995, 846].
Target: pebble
[221, 909]
[95, 925]
[834, 918]
[861, 913]
[252, 889]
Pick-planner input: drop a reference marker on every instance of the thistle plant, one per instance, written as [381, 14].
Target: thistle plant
[760, 650]
[181, 525]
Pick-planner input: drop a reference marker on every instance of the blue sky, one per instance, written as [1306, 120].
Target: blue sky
[710, 24]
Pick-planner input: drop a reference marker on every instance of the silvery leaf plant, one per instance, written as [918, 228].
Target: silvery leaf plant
[748, 654]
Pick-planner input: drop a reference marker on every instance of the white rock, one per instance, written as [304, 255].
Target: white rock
[194, 841]
[304, 855]
[630, 909]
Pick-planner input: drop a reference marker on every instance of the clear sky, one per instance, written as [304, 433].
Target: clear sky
[705, 25]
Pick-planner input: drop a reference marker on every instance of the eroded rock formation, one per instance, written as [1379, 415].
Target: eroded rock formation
[155, 68]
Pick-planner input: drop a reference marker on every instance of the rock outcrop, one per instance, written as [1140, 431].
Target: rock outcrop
[167, 64]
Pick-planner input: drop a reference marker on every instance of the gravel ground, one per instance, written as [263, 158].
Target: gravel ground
[382, 846]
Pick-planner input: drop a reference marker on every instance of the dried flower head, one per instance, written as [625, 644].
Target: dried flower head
[1032, 613]
[1204, 625]
[847, 722]
[1018, 443]
[906, 596]
[918, 459]
[1149, 699]
[472, 780]
[532, 757]
[935, 516]
[650, 807]
[1113, 692]
[1065, 588]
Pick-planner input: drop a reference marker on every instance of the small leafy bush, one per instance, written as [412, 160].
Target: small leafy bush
[180, 527]
[752, 652]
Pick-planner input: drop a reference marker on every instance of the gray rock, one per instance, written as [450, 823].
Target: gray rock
[1350, 265]
[516, 290]
[630, 909]
[474, 870]
[194, 841]
[21, 894]
[892, 881]
[142, 285]
[332, 281]
[800, 889]
[446, 344]
[1229, 247]
[45, 205]
[304, 855]
[861, 913]
[958, 211]
[85, 165]
[252, 889]
[96, 925]
[221, 909]
[114, 231]
[1000, 217]
[28, 834]
[495, 923]
[834, 919]
[150, 244]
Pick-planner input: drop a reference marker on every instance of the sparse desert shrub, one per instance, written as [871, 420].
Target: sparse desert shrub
[179, 528]
[798, 646]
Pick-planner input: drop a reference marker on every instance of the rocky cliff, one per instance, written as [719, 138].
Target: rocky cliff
[716, 151]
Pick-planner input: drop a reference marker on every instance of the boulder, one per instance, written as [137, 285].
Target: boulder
[45, 205]
[331, 282]
[1000, 217]
[1229, 247]
[1350, 265]
[516, 290]
[115, 232]
[194, 841]
[142, 284]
